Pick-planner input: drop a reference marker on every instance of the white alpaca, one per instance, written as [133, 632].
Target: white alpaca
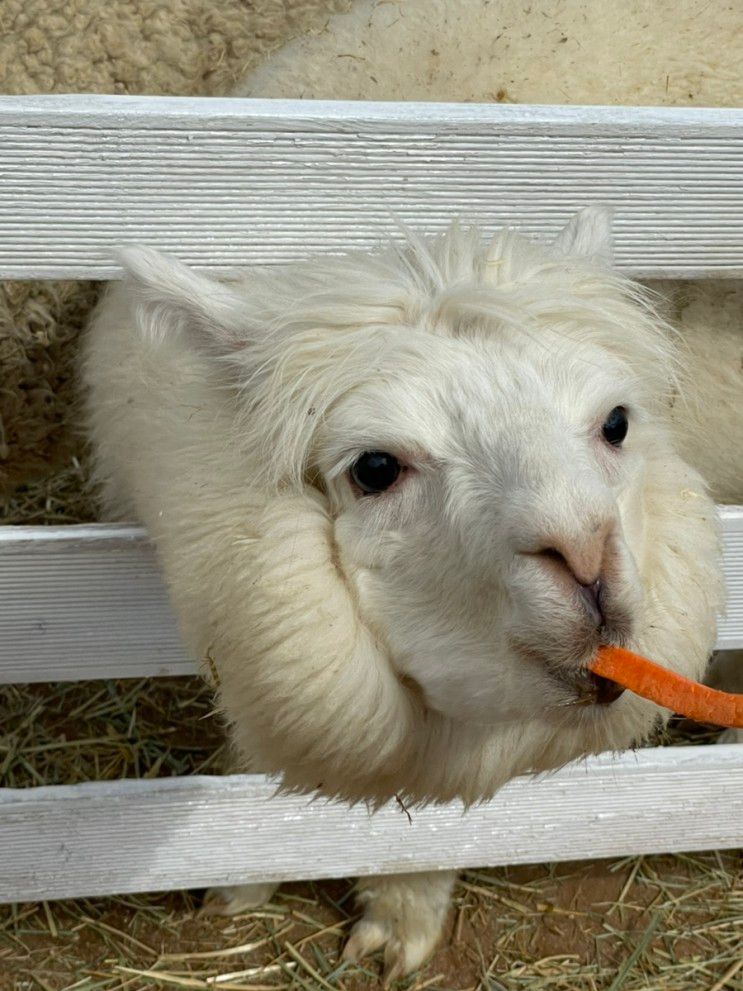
[660, 53]
[393, 501]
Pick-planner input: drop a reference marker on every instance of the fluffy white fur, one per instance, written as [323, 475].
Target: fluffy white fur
[660, 53]
[418, 642]
[639, 52]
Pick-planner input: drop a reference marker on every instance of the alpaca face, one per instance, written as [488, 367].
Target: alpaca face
[489, 509]
[422, 485]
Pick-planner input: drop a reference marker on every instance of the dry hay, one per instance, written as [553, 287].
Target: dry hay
[59, 496]
[663, 923]
[656, 924]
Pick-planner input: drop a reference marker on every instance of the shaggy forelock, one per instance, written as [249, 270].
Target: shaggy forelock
[327, 325]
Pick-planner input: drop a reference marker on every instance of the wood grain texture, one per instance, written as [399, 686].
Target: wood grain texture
[95, 839]
[730, 628]
[225, 182]
[81, 602]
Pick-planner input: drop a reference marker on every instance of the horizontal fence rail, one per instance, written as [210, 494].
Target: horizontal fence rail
[226, 182]
[223, 183]
[94, 839]
[83, 602]
[87, 602]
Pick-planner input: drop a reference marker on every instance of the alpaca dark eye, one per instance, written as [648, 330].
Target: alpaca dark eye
[615, 426]
[375, 471]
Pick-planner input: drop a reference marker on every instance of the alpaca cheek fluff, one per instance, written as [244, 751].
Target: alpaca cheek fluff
[399, 499]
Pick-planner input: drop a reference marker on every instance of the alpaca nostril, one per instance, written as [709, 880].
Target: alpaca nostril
[589, 592]
[552, 554]
[583, 556]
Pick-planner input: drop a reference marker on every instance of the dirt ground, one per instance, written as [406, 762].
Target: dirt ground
[632, 924]
[665, 923]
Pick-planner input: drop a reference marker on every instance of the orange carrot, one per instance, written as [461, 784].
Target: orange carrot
[666, 688]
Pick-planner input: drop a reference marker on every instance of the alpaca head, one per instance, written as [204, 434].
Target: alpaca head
[485, 427]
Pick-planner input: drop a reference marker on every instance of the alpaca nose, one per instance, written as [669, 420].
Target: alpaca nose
[582, 554]
[583, 560]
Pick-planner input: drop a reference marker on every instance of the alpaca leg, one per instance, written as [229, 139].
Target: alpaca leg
[404, 915]
[237, 899]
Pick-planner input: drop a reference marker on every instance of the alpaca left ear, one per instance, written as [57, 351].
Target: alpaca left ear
[168, 295]
[589, 234]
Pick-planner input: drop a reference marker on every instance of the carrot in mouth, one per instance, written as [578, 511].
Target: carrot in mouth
[673, 691]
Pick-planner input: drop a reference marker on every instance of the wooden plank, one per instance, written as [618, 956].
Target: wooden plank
[104, 838]
[82, 602]
[730, 628]
[225, 182]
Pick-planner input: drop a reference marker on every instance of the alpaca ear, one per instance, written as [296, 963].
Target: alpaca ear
[589, 234]
[169, 295]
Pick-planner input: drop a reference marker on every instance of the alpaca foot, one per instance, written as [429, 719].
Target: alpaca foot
[236, 899]
[403, 915]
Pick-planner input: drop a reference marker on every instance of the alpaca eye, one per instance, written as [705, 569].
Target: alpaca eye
[615, 426]
[375, 471]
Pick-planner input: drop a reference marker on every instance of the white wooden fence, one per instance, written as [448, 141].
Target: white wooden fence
[227, 182]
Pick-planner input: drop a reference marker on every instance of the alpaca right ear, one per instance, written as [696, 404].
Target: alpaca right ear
[589, 234]
[167, 294]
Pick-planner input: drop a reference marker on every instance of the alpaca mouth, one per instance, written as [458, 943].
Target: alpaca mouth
[605, 691]
[568, 667]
